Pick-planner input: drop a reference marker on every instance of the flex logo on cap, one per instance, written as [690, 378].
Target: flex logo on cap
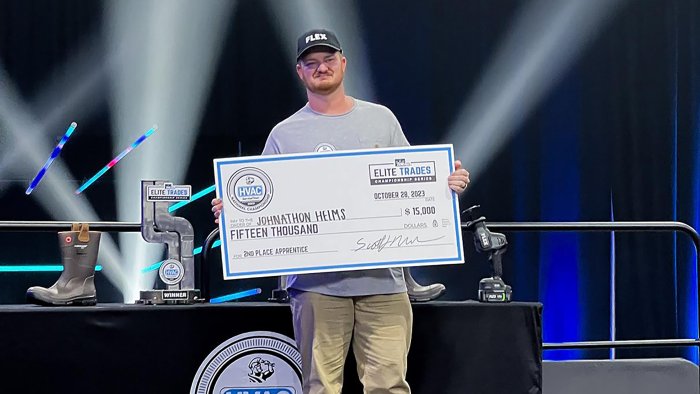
[316, 37]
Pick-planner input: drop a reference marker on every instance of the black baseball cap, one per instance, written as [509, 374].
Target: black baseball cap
[317, 37]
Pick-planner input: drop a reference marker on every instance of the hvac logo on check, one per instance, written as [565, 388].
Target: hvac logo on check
[250, 189]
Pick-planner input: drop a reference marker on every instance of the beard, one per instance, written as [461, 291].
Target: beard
[327, 86]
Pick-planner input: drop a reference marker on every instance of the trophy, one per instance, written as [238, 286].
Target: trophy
[159, 226]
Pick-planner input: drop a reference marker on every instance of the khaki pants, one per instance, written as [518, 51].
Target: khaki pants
[379, 328]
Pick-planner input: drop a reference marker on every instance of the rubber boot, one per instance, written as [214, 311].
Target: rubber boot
[420, 293]
[76, 285]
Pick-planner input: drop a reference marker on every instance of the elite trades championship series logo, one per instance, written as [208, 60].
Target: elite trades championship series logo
[257, 362]
[402, 171]
[249, 190]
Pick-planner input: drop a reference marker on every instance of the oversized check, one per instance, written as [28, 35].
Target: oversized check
[338, 211]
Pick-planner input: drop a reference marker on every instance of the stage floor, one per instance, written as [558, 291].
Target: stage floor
[457, 347]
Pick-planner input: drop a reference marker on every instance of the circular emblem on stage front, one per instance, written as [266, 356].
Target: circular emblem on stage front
[250, 190]
[324, 147]
[171, 272]
[253, 362]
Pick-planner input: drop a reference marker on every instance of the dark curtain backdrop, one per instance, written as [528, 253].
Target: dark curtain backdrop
[617, 138]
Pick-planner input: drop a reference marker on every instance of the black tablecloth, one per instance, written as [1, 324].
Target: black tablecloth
[457, 347]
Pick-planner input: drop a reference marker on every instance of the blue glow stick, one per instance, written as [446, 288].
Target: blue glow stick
[235, 296]
[54, 155]
[116, 159]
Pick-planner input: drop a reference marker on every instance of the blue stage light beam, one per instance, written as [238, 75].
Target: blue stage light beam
[613, 288]
[691, 328]
[152, 267]
[560, 280]
[235, 296]
[114, 161]
[54, 155]
[195, 197]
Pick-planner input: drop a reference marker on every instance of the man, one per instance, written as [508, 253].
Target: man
[369, 308]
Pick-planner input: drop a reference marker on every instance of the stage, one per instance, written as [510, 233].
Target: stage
[458, 347]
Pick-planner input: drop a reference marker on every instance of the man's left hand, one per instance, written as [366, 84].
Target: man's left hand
[459, 179]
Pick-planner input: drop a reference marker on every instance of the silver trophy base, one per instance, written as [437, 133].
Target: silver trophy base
[169, 297]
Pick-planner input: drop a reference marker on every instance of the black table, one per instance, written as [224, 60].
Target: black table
[457, 347]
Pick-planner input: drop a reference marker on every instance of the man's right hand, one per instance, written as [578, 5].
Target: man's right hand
[217, 206]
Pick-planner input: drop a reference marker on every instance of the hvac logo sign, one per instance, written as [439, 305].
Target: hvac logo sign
[249, 190]
[171, 272]
[261, 362]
